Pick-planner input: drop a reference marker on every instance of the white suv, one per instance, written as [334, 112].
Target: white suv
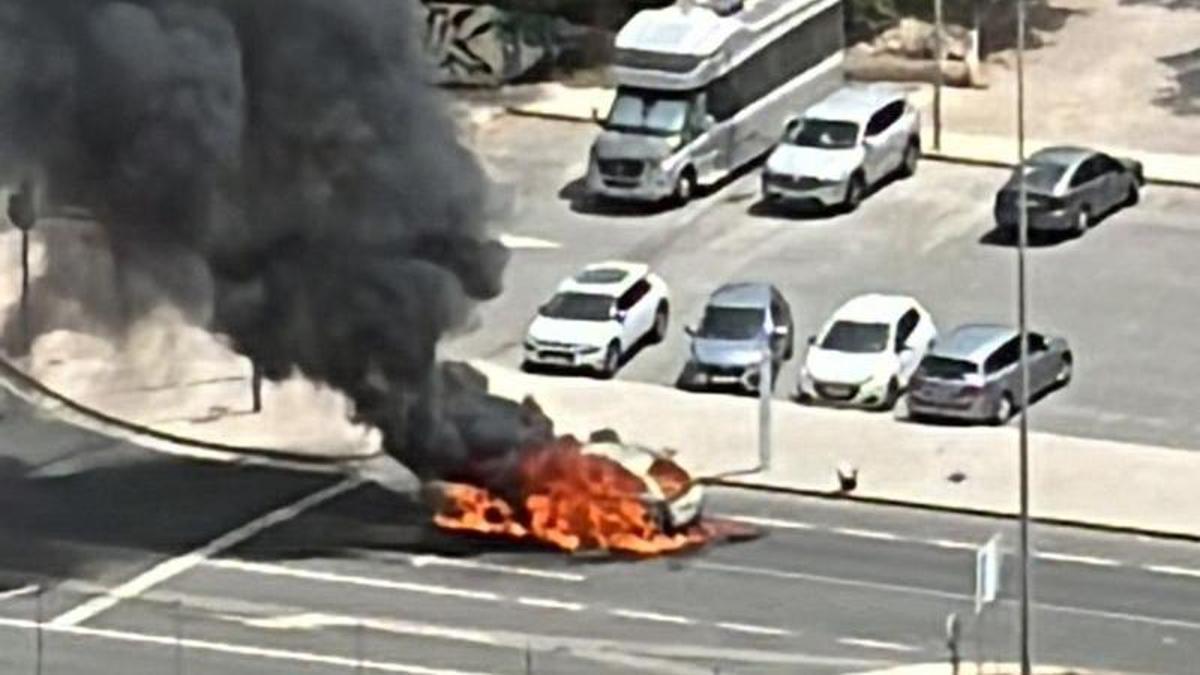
[844, 145]
[598, 316]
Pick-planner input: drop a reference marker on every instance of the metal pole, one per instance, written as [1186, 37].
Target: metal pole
[938, 77]
[178, 621]
[528, 659]
[38, 644]
[764, 410]
[255, 386]
[1022, 310]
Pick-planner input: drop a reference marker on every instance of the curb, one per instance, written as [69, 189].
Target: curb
[834, 496]
[537, 114]
[31, 390]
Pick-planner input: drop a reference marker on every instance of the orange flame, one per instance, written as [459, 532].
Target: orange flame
[576, 502]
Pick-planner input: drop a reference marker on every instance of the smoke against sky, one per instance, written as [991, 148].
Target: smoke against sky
[281, 170]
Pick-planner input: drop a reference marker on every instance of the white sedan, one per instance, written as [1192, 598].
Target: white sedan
[867, 352]
[598, 316]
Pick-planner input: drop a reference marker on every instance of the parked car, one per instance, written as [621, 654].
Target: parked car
[739, 321]
[1068, 189]
[867, 351]
[598, 316]
[975, 374]
[844, 145]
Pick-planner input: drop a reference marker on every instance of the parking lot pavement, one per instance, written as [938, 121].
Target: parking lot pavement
[1118, 294]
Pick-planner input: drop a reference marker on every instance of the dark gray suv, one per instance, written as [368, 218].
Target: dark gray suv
[727, 346]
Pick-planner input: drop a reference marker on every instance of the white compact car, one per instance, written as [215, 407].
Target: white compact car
[867, 351]
[597, 316]
[842, 146]
[674, 499]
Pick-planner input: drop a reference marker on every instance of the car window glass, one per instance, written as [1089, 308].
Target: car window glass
[777, 317]
[1084, 174]
[633, 295]
[877, 123]
[905, 328]
[1005, 356]
[1037, 343]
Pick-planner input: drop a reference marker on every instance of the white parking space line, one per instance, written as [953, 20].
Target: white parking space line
[878, 644]
[18, 592]
[767, 522]
[1078, 559]
[752, 629]
[952, 545]
[866, 534]
[651, 616]
[550, 603]
[517, 241]
[236, 649]
[1171, 569]
[176, 566]
[439, 561]
[271, 569]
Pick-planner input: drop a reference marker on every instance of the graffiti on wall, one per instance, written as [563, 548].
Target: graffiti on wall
[482, 45]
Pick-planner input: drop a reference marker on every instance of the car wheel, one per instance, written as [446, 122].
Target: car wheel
[790, 350]
[662, 318]
[1004, 409]
[612, 361]
[889, 398]
[854, 192]
[912, 154]
[685, 187]
[1083, 220]
[1133, 197]
[1065, 371]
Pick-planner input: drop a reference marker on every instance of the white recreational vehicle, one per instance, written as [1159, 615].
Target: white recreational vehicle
[705, 86]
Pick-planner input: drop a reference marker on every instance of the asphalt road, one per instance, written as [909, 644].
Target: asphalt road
[1122, 295]
[267, 571]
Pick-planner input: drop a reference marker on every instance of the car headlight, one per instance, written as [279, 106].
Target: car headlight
[531, 344]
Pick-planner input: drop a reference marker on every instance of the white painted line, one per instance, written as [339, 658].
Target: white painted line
[270, 569]
[878, 644]
[439, 561]
[518, 241]
[651, 616]
[1078, 559]
[236, 649]
[176, 566]
[550, 603]
[768, 522]
[1170, 569]
[18, 592]
[866, 534]
[752, 629]
[953, 545]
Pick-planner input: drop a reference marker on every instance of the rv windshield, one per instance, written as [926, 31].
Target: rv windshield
[649, 112]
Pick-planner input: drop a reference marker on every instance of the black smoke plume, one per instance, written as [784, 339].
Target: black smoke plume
[280, 169]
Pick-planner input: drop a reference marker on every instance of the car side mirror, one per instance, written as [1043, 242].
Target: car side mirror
[596, 116]
[620, 315]
[689, 331]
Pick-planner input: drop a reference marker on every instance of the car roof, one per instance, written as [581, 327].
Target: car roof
[974, 342]
[1063, 155]
[611, 277]
[874, 307]
[754, 294]
[855, 103]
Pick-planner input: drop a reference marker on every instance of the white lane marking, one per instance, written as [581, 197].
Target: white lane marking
[651, 616]
[176, 566]
[1078, 559]
[767, 522]
[878, 644]
[518, 241]
[250, 651]
[1171, 569]
[952, 545]
[316, 621]
[866, 534]
[550, 603]
[19, 592]
[752, 629]
[270, 569]
[439, 561]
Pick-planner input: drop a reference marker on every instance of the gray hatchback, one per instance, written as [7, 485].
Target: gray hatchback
[727, 346]
[975, 374]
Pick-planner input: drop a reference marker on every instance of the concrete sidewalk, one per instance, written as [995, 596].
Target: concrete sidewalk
[998, 148]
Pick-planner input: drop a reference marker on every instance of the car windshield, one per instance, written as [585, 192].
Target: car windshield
[731, 323]
[856, 338]
[943, 368]
[1041, 176]
[579, 307]
[813, 133]
[648, 112]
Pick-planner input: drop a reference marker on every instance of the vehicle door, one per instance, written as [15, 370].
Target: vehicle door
[878, 143]
[1002, 373]
[1043, 364]
[924, 334]
[1113, 181]
[706, 141]
[635, 313]
[1085, 188]
[905, 351]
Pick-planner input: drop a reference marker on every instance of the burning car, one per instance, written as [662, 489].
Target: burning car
[674, 499]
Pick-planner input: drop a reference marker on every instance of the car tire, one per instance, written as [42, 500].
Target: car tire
[1004, 410]
[1065, 371]
[790, 350]
[891, 396]
[1133, 197]
[685, 187]
[662, 319]
[612, 361]
[912, 155]
[1083, 221]
[855, 189]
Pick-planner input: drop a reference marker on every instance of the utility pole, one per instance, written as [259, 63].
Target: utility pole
[23, 214]
[1023, 330]
[938, 75]
[765, 390]
[255, 386]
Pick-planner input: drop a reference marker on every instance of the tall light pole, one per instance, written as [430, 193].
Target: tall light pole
[23, 214]
[1023, 330]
